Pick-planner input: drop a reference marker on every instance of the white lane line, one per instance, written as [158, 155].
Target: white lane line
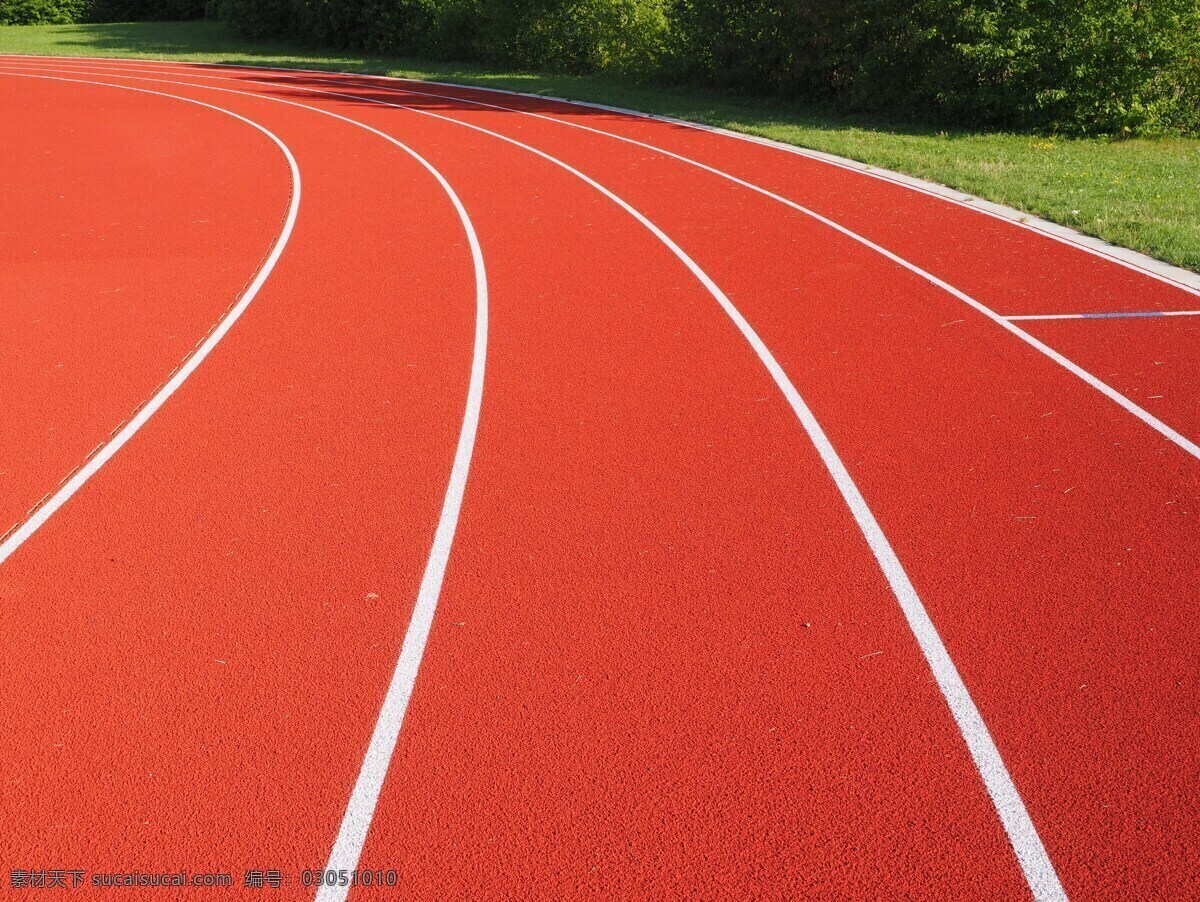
[1140, 263]
[114, 444]
[1031, 853]
[1095, 382]
[364, 797]
[1144, 314]
[1145, 416]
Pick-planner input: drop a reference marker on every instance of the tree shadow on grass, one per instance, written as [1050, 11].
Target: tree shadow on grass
[150, 38]
[215, 43]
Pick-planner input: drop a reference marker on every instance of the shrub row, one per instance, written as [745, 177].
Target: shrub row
[37, 12]
[1080, 66]
[64, 12]
[1083, 66]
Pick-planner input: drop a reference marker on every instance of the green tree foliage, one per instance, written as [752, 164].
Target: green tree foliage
[41, 12]
[64, 12]
[575, 35]
[1085, 66]
[1072, 65]
[1080, 66]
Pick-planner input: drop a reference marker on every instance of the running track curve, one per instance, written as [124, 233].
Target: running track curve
[908, 609]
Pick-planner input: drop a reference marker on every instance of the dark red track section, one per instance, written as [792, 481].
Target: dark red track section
[665, 661]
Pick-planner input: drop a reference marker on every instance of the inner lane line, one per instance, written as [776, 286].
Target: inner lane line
[1027, 845]
[48, 506]
[1031, 854]
[1007, 323]
[364, 796]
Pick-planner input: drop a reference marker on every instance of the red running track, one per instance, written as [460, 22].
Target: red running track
[679, 647]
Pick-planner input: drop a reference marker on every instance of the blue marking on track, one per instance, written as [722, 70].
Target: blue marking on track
[1119, 315]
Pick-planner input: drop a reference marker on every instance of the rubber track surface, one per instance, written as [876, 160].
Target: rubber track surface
[664, 660]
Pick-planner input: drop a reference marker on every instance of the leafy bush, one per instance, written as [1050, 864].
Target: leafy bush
[259, 18]
[562, 35]
[332, 23]
[1095, 66]
[575, 35]
[1080, 66]
[41, 12]
[140, 10]
[401, 26]
[64, 12]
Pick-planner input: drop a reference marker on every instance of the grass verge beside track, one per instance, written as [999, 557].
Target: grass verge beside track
[1142, 194]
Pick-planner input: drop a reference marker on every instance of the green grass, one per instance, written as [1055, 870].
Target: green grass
[1143, 193]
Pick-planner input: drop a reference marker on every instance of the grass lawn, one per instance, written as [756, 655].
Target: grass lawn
[1141, 193]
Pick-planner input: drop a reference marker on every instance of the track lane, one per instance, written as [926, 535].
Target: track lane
[106, 289]
[1000, 261]
[1019, 484]
[1165, 806]
[1133, 558]
[910, 858]
[1029, 249]
[1007, 252]
[1152, 360]
[1012, 269]
[1007, 322]
[560, 541]
[250, 524]
[999, 443]
[1129, 276]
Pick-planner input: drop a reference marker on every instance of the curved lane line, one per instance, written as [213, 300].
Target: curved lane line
[1005, 321]
[1031, 853]
[1130, 259]
[365, 795]
[1138, 262]
[114, 444]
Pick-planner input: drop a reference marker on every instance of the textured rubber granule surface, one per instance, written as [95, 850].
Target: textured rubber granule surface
[664, 661]
[130, 224]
